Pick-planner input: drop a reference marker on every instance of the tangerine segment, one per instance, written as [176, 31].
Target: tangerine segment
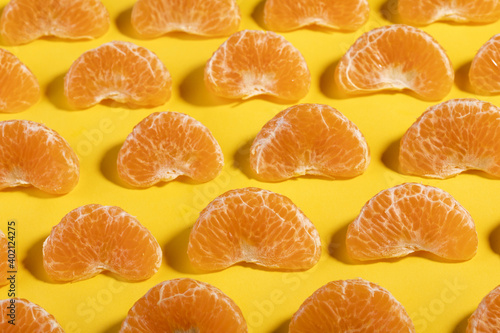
[212, 18]
[166, 145]
[486, 318]
[33, 154]
[94, 238]
[484, 71]
[251, 63]
[396, 57]
[121, 71]
[351, 306]
[4, 257]
[256, 226]
[184, 305]
[29, 317]
[286, 15]
[23, 21]
[309, 139]
[452, 137]
[408, 218]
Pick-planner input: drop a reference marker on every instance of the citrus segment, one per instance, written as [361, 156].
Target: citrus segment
[184, 305]
[408, 218]
[486, 318]
[351, 306]
[484, 71]
[256, 226]
[94, 238]
[4, 257]
[28, 317]
[396, 57]
[310, 139]
[251, 63]
[120, 71]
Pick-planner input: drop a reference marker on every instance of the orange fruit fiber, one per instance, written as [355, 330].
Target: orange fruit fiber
[408, 218]
[120, 71]
[211, 18]
[484, 73]
[29, 317]
[486, 318]
[310, 139]
[33, 154]
[255, 226]
[184, 305]
[23, 21]
[166, 145]
[396, 57]
[351, 306]
[252, 62]
[94, 238]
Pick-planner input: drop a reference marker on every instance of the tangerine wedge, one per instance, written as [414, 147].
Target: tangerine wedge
[184, 305]
[120, 71]
[484, 71]
[396, 57]
[4, 257]
[252, 63]
[33, 154]
[486, 318]
[29, 317]
[211, 18]
[23, 21]
[351, 306]
[94, 238]
[310, 139]
[166, 145]
[255, 226]
[408, 218]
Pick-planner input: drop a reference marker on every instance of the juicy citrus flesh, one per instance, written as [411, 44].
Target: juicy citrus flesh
[452, 137]
[408, 218]
[120, 71]
[166, 145]
[211, 18]
[287, 15]
[252, 63]
[310, 139]
[396, 57]
[29, 317]
[94, 238]
[255, 226]
[33, 154]
[23, 21]
[184, 305]
[351, 306]
[484, 71]
[4, 257]
[486, 318]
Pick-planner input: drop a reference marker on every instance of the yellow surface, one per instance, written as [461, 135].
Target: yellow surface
[439, 296]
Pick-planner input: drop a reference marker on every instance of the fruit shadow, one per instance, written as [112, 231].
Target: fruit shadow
[175, 252]
[32, 192]
[462, 324]
[283, 327]
[258, 14]
[34, 262]
[389, 11]
[241, 159]
[114, 328]
[55, 93]
[494, 239]
[327, 82]
[124, 24]
[390, 156]
[108, 166]
[462, 78]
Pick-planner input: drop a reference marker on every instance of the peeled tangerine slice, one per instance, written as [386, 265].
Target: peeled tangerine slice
[27, 316]
[33, 154]
[253, 62]
[351, 306]
[94, 238]
[184, 305]
[310, 139]
[121, 71]
[408, 218]
[23, 21]
[256, 226]
[166, 145]
[484, 73]
[211, 18]
[452, 137]
[396, 57]
[486, 318]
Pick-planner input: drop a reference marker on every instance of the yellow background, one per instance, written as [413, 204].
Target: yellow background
[439, 296]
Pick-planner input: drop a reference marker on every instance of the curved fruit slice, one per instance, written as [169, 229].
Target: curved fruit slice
[309, 139]
[286, 15]
[408, 218]
[94, 238]
[253, 225]
[23, 21]
[211, 18]
[252, 63]
[29, 317]
[121, 71]
[484, 71]
[184, 305]
[486, 318]
[396, 57]
[33, 154]
[452, 137]
[351, 306]
[166, 145]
